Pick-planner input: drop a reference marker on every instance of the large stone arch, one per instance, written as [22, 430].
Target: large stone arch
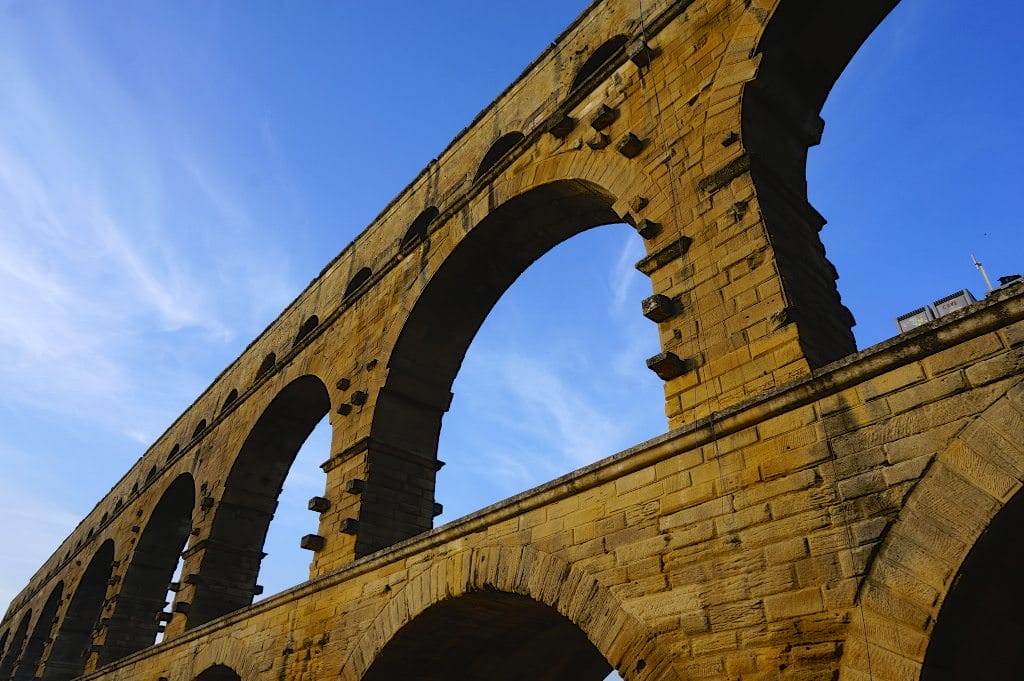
[15, 646]
[141, 596]
[530, 210]
[963, 499]
[30, 656]
[67, 655]
[525, 572]
[232, 552]
[787, 55]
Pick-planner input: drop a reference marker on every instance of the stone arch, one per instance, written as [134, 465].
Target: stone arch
[597, 59]
[357, 281]
[266, 366]
[233, 550]
[140, 599]
[229, 400]
[417, 231]
[26, 669]
[223, 659]
[71, 645]
[307, 328]
[943, 540]
[497, 151]
[533, 212]
[14, 648]
[792, 52]
[218, 672]
[526, 578]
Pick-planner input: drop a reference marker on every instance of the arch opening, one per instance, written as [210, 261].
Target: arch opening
[26, 669]
[893, 131]
[493, 636]
[358, 279]
[434, 340]
[13, 653]
[232, 555]
[218, 672]
[67, 658]
[417, 231]
[979, 632]
[601, 56]
[229, 400]
[136, 619]
[501, 146]
[266, 366]
[307, 328]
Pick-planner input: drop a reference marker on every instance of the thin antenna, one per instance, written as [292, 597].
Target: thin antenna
[981, 268]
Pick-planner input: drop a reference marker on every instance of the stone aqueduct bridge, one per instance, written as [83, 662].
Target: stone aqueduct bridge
[811, 513]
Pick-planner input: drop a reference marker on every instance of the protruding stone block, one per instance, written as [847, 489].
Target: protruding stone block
[659, 308]
[630, 145]
[359, 398]
[343, 384]
[648, 229]
[349, 526]
[668, 365]
[344, 409]
[603, 117]
[319, 504]
[312, 542]
[184, 607]
[640, 53]
[560, 125]
[599, 141]
[438, 509]
[355, 486]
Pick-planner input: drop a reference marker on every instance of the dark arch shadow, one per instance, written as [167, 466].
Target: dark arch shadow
[979, 633]
[13, 653]
[218, 672]
[26, 670]
[140, 600]
[417, 231]
[67, 656]
[358, 279]
[434, 340]
[490, 636]
[501, 146]
[234, 550]
[804, 49]
[601, 56]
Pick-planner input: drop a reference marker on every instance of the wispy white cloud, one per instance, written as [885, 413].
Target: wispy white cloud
[623, 277]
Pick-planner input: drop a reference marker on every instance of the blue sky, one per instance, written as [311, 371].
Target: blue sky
[172, 175]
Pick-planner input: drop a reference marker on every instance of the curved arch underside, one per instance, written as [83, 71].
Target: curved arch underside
[218, 672]
[804, 49]
[67, 656]
[134, 624]
[437, 334]
[489, 636]
[979, 633]
[26, 670]
[13, 652]
[231, 563]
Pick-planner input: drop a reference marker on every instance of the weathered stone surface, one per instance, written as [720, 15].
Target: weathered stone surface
[801, 516]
